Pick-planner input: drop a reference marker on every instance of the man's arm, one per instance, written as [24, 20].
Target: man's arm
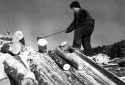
[71, 26]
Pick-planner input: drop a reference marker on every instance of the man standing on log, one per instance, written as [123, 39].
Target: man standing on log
[83, 24]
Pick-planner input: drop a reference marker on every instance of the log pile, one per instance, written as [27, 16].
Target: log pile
[61, 66]
[99, 74]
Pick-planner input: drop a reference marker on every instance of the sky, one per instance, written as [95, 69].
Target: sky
[44, 17]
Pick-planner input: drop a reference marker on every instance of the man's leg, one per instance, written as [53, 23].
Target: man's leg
[77, 39]
[86, 43]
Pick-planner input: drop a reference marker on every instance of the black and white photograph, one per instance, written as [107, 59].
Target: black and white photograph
[62, 42]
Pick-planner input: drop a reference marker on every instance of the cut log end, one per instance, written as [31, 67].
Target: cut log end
[18, 35]
[42, 42]
[66, 67]
[28, 81]
[64, 43]
[80, 67]
[15, 48]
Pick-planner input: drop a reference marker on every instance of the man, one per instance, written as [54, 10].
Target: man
[83, 24]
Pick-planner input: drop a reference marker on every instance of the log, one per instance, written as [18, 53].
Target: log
[99, 75]
[42, 45]
[59, 61]
[5, 38]
[18, 35]
[39, 66]
[57, 69]
[18, 73]
[82, 78]
[67, 76]
[41, 76]
[15, 48]
[72, 58]
[33, 63]
[11, 48]
[73, 79]
[47, 69]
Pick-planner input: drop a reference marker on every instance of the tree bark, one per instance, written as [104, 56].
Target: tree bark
[59, 61]
[72, 58]
[17, 72]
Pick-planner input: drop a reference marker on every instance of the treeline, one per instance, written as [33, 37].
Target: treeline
[116, 50]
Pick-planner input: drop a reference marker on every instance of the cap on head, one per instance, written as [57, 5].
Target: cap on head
[75, 4]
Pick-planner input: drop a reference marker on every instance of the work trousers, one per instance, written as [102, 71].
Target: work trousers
[82, 36]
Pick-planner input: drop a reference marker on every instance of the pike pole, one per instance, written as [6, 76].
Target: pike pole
[51, 34]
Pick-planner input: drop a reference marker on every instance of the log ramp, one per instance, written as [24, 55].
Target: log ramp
[61, 66]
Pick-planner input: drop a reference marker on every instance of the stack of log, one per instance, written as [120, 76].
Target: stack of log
[99, 74]
[61, 66]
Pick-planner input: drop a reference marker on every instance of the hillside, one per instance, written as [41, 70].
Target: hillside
[116, 50]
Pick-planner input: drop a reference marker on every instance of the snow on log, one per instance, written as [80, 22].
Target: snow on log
[2, 72]
[18, 37]
[15, 48]
[18, 72]
[59, 61]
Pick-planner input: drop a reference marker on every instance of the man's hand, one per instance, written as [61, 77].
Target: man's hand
[66, 31]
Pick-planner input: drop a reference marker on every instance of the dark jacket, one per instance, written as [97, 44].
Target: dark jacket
[83, 18]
